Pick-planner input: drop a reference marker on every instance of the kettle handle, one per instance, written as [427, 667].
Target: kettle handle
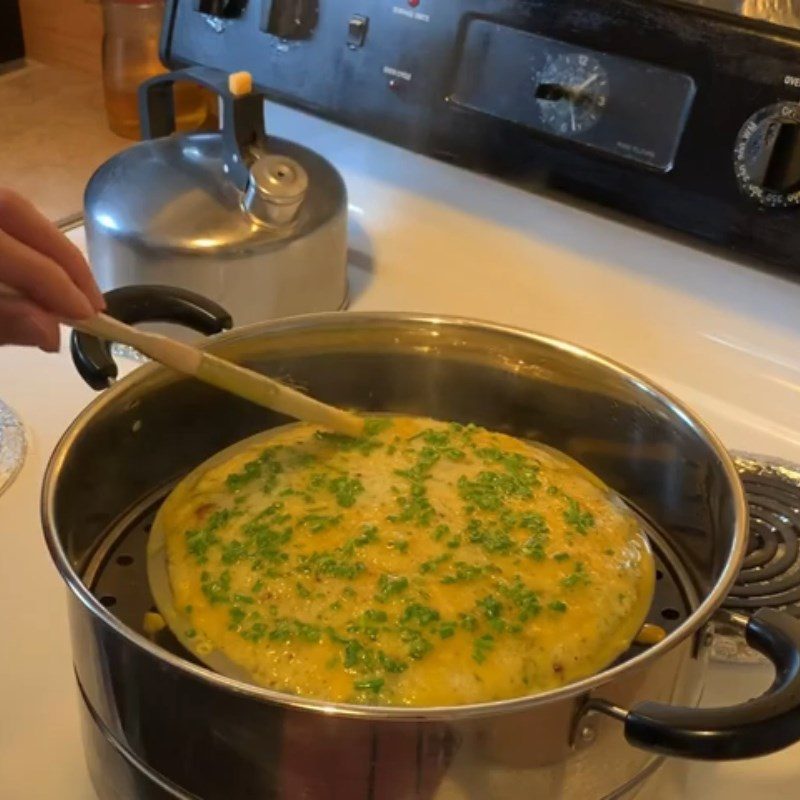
[242, 127]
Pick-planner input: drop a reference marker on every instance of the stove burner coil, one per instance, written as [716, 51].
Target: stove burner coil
[770, 574]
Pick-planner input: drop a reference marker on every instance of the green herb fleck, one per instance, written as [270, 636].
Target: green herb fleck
[489, 490]
[491, 606]
[390, 664]
[578, 517]
[467, 622]
[525, 599]
[534, 545]
[236, 616]
[251, 471]
[414, 507]
[363, 444]
[493, 537]
[233, 551]
[373, 426]
[330, 564]
[447, 629]
[373, 685]
[440, 532]
[317, 523]
[198, 542]
[482, 646]
[216, 590]
[422, 615]
[369, 534]
[389, 585]
[368, 623]
[463, 571]
[432, 564]
[345, 490]
[286, 630]
[419, 647]
[577, 578]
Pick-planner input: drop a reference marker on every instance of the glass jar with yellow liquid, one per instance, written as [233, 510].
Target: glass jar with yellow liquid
[130, 56]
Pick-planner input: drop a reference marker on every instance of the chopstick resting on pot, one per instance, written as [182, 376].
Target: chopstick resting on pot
[216, 371]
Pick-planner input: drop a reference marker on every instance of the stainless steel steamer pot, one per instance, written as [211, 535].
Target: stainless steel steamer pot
[157, 725]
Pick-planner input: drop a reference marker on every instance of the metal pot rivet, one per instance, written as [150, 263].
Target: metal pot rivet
[588, 734]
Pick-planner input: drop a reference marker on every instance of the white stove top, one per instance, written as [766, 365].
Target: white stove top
[429, 237]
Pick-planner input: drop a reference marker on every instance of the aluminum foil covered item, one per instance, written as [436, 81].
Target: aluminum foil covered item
[13, 446]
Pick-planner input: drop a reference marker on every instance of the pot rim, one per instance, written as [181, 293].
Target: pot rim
[333, 320]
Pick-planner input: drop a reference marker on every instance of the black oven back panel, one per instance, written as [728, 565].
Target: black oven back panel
[683, 119]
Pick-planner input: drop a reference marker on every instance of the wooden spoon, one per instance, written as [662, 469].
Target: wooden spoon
[218, 372]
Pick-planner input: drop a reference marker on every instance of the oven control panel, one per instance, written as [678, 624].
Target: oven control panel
[666, 113]
[616, 106]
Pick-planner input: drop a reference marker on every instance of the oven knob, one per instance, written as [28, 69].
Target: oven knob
[220, 8]
[290, 19]
[767, 156]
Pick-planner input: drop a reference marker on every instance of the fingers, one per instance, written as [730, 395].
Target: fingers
[41, 279]
[21, 221]
[24, 323]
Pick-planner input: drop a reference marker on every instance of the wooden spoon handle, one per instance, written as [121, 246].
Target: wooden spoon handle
[217, 371]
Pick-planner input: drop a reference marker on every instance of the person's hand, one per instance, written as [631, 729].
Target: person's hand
[38, 261]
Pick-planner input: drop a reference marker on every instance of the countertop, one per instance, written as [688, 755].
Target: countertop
[53, 135]
[428, 237]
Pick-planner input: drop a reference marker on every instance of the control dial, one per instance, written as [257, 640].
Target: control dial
[226, 9]
[766, 157]
[571, 92]
[290, 19]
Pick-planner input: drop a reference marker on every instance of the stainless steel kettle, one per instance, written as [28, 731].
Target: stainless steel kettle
[257, 223]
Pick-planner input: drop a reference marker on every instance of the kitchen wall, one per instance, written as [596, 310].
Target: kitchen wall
[65, 33]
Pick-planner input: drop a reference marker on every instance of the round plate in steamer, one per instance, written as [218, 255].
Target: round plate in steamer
[204, 651]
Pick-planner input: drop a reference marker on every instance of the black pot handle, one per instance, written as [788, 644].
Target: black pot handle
[132, 304]
[754, 728]
[243, 128]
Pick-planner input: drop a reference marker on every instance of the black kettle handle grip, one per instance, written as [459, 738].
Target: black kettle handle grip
[755, 728]
[132, 304]
[243, 124]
